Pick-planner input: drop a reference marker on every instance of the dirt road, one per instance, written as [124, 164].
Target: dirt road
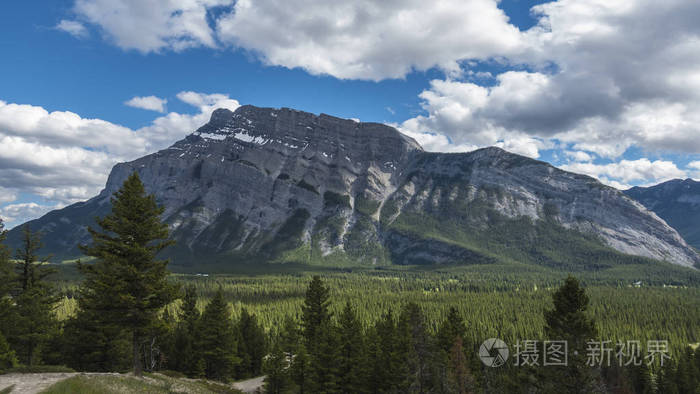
[32, 383]
[254, 385]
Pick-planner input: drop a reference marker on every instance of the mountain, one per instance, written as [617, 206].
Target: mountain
[275, 185]
[677, 202]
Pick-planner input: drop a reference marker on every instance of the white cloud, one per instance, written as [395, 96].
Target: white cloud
[63, 158]
[361, 39]
[74, 28]
[579, 156]
[151, 26]
[621, 174]
[694, 165]
[164, 130]
[370, 39]
[603, 76]
[14, 214]
[7, 195]
[151, 103]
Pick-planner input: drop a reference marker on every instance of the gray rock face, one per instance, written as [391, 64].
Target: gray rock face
[677, 202]
[259, 182]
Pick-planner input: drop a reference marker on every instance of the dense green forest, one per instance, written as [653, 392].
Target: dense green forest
[339, 329]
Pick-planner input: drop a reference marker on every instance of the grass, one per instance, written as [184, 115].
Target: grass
[7, 390]
[38, 369]
[150, 383]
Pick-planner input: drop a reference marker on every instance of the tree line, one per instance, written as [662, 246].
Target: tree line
[123, 322]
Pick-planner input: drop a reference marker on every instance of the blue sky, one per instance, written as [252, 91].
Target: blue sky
[603, 88]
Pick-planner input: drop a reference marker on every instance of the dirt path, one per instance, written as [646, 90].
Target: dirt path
[32, 383]
[251, 385]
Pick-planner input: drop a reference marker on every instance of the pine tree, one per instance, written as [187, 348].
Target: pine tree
[451, 328]
[252, 345]
[300, 370]
[7, 275]
[7, 283]
[641, 379]
[217, 342]
[167, 341]
[386, 364]
[35, 321]
[315, 311]
[415, 348]
[98, 340]
[568, 321]
[666, 379]
[127, 279]
[31, 272]
[458, 369]
[276, 374]
[8, 359]
[187, 354]
[351, 361]
[324, 368]
[289, 336]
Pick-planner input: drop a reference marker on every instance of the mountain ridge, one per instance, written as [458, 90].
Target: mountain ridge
[266, 184]
[677, 202]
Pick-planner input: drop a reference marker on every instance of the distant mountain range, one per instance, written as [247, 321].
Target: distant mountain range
[677, 202]
[276, 185]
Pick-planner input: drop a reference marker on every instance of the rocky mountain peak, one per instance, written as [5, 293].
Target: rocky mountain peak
[273, 184]
[291, 127]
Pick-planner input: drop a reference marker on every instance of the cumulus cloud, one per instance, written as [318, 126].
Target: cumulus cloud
[19, 213]
[74, 28]
[150, 103]
[603, 76]
[370, 39]
[152, 26]
[63, 158]
[363, 39]
[579, 156]
[624, 172]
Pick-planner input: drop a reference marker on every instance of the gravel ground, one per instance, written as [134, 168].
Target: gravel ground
[31, 383]
[251, 385]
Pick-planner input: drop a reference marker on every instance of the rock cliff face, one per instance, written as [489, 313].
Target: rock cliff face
[262, 184]
[677, 202]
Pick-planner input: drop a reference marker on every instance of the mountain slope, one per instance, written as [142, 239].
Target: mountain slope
[677, 202]
[262, 184]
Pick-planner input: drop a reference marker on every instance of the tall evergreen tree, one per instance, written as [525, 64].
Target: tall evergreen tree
[35, 321]
[387, 365]
[450, 329]
[315, 311]
[324, 367]
[127, 279]
[7, 283]
[568, 321]
[187, 354]
[8, 359]
[31, 270]
[300, 370]
[416, 349]
[252, 345]
[217, 342]
[98, 339]
[351, 361]
[7, 275]
[289, 336]
[459, 376]
[276, 372]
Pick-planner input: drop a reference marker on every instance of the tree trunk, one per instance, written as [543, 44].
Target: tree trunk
[138, 369]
